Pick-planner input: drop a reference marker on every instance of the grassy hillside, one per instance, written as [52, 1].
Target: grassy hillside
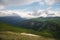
[8, 27]
[48, 27]
[38, 26]
[17, 36]
[9, 32]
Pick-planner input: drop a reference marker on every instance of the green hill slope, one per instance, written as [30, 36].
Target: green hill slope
[9, 32]
[48, 27]
[8, 27]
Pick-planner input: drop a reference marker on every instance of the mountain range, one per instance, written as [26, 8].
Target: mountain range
[42, 26]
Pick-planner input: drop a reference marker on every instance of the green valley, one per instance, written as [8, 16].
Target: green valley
[46, 30]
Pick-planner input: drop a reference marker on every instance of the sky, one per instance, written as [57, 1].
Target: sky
[30, 5]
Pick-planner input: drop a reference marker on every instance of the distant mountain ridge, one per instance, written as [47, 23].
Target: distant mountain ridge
[11, 19]
[48, 28]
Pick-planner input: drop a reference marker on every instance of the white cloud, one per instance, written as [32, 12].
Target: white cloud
[53, 13]
[8, 3]
[51, 2]
[2, 7]
[25, 14]
[26, 2]
[48, 8]
[50, 13]
[16, 2]
[58, 13]
[41, 3]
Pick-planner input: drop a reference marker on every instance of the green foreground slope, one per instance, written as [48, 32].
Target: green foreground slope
[9, 32]
[8, 27]
[49, 29]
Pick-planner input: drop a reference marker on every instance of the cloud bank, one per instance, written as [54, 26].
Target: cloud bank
[7, 3]
[25, 2]
[27, 15]
[51, 2]
[16, 2]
